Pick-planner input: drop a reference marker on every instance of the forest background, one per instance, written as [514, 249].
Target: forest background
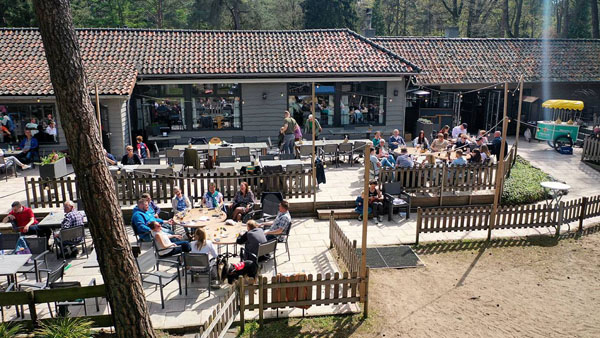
[473, 18]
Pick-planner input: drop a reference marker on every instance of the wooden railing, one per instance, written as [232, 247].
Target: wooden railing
[591, 149]
[508, 217]
[223, 315]
[509, 160]
[345, 249]
[43, 193]
[31, 298]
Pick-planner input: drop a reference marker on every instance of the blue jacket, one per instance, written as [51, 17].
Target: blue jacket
[140, 220]
[34, 143]
[400, 141]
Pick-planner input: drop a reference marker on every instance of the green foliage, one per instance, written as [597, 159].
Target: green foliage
[9, 330]
[330, 14]
[523, 185]
[16, 13]
[52, 158]
[325, 326]
[65, 328]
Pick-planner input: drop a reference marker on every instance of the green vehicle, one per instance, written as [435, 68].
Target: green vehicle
[557, 133]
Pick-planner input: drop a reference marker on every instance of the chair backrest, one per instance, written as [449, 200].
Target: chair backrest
[2, 161]
[226, 159]
[56, 274]
[273, 169]
[345, 147]
[330, 148]
[37, 245]
[237, 139]
[267, 248]
[222, 152]
[244, 158]
[143, 172]
[269, 142]
[270, 202]
[154, 160]
[243, 151]
[173, 153]
[191, 171]
[250, 139]
[306, 149]
[266, 157]
[164, 172]
[228, 170]
[359, 146]
[196, 260]
[72, 234]
[197, 140]
[287, 156]
[393, 188]
[9, 241]
[176, 160]
[293, 168]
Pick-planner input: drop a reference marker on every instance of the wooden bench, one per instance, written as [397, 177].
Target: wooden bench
[347, 213]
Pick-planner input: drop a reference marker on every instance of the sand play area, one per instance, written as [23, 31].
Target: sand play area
[517, 288]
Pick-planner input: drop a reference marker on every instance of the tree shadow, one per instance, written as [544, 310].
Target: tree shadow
[328, 326]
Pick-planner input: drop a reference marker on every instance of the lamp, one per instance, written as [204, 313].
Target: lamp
[264, 96]
[395, 92]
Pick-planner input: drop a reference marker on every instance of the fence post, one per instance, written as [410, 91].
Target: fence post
[32, 310]
[331, 220]
[242, 298]
[419, 220]
[444, 177]
[366, 288]
[261, 303]
[559, 217]
[582, 215]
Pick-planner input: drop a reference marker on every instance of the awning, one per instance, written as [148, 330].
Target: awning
[563, 104]
[530, 99]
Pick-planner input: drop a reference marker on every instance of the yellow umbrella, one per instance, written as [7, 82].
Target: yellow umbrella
[563, 104]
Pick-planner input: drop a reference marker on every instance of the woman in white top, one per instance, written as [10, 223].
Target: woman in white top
[486, 156]
[204, 246]
[10, 160]
[168, 245]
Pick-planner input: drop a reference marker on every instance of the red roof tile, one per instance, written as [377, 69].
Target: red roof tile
[464, 61]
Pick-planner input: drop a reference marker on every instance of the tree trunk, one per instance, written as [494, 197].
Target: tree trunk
[470, 18]
[119, 271]
[506, 20]
[404, 14]
[159, 14]
[518, 14]
[565, 27]
[595, 27]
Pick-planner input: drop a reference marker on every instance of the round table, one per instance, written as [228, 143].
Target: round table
[431, 157]
[213, 223]
[556, 188]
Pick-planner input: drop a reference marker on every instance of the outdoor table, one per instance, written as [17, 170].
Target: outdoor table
[11, 152]
[54, 219]
[213, 222]
[10, 264]
[322, 143]
[557, 188]
[152, 167]
[283, 163]
[256, 146]
[236, 165]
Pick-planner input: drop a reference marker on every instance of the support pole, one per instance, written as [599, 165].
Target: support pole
[519, 114]
[363, 247]
[98, 110]
[314, 149]
[500, 167]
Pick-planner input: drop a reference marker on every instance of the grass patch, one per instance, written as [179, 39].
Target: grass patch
[523, 185]
[325, 326]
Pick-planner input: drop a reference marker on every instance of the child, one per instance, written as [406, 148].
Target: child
[359, 206]
[142, 149]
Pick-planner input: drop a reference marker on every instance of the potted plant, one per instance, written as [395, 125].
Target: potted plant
[53, 166]
[425, 125]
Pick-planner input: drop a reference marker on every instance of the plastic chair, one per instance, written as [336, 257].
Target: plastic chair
[158, 278]
[39, 251]
[396, 198]
[70, 235]
[196, 264]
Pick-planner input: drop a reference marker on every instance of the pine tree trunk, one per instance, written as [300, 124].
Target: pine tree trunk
[595, 27]
[119, 271]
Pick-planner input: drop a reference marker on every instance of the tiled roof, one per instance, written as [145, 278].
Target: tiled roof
[464, 61]
[113, 57]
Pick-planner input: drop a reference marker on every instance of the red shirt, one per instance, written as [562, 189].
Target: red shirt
[23, 218]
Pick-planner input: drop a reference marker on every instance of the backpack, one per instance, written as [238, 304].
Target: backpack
[22, 248]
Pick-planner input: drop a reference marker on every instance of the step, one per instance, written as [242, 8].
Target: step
[347, 213]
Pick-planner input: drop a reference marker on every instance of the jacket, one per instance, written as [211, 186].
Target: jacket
[140, 220]
[320, 171]
[34, 144]
[136, 159]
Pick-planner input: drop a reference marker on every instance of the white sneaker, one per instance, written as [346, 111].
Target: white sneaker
[25, 166]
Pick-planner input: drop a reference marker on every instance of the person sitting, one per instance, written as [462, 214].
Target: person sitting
[421, 141]
[141, 148]
[23, 221]
[167, 244]
[444, 130]
[462, 142]
[376, 201]
[377, 139]
[73, 219]
[243, 202]
[360, 205]
[375, 164]
[482, 135]
[251, 240]
[202, 245]
[497, 145]
[387, 159]
[460, 129]
[486, 156]
[439, 144]
[404, 160]
[110, 159]
[130, 158]
[478, 143]
[396, 140]
[29, 147]
[152, 207]
[141, 218]
[32, 126]
[11, 160]
[51, 131]
[280, 224]
[212, 199]
[180, 202]
[459, 159]
[476, 157]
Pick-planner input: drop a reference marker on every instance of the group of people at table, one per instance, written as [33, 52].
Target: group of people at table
[478, 149]
[148, 225]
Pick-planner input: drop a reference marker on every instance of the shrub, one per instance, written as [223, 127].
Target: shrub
[523, 185]
[65, 328]
[8, 330]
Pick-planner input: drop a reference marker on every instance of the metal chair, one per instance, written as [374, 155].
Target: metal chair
[70, 235]
[154, 160]
[225, 171]
[243, 151]
[268, 248]
[283, 238]
[142, 172]
[359, 148]
[345, 150]
[160, 259]
[9, 288]
[237, 139]
[287, 157]
[51, 277]
[196, 264]
[332, 151]
[272, 169]
[164, 172]
[245, 159]
[8, 242]
[77, 302]
[5, 166]
[226, 159]
[273, 150]
[191, 158]
[306, 150]
[39, 251]
[269, 204]
[224, 151]
[159, 279]
[176, 160]
[293, 168]
[396, 198]
[266, 157]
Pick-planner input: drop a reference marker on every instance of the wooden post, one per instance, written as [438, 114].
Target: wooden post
[363, 248]
[500, 170]
[98, 110]
[331, 218]
[314, 148]
[261, 304]
[242, 297]
[519, 115]
[559, 217]
[582, 215]
[366, 288]
[419, 220]
[32, 310]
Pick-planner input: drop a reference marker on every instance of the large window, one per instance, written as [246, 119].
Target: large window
[161, 106]
[39, 118]
[216, 106]
[339, 104]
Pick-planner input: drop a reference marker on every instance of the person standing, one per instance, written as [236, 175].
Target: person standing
[308, 126]
[142, 149]
[460, 129]
[289, 125]
[497, 145]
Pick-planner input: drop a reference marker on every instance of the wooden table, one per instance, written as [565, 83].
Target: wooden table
[214, 225]
[54, 219]
[10, 264]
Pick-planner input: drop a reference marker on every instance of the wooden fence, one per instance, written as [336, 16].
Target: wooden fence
[53, 192]
[591, 149]
[223, 315]
[508, 217]
[31, 298]
[345, 249]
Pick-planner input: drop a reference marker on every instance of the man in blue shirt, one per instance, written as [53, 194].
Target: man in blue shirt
[404, 160]
[29, 147]
[281, 223]
[459, 159]
[396, 140]
[142, 216]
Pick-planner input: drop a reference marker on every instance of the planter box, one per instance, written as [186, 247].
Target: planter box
[54, 170]
[427, 128]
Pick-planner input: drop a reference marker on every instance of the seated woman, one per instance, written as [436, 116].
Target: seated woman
[11, 160]
[421, 141]
[212, 198]
[476, 157]
[205, 246]
[180, 202]
[486, 155]
[386, 159]
[168, 245]
[243, 202]
[130, 158]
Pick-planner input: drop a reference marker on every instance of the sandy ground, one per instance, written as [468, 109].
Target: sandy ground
[520, 288]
